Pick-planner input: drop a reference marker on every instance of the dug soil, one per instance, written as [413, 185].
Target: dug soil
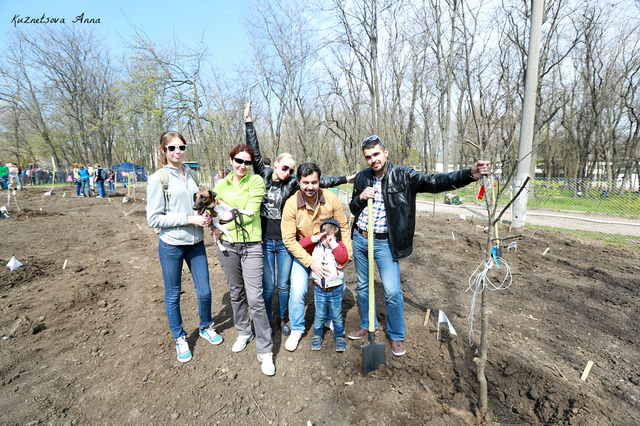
[85, 339]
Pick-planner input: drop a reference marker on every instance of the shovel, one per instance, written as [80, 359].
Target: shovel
[372, 352]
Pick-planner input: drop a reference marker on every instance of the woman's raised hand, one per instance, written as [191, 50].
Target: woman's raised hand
[247, 113]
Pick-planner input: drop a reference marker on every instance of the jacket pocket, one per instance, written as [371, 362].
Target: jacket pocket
[396, 195]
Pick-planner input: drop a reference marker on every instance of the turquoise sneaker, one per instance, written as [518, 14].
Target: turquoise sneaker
[182, 347]
[210, 334]
[341, 344]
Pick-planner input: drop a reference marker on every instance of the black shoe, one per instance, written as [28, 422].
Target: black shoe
[285, 329]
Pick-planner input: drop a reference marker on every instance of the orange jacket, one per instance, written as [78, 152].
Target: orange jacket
[299, 220]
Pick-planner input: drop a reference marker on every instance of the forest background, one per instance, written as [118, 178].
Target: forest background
[424, 75]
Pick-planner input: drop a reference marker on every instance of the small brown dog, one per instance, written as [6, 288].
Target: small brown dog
[206, 201]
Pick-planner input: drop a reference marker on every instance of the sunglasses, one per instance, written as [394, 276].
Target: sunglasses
[241, 161]
[370, 138]
[287, 169]
[172, 148]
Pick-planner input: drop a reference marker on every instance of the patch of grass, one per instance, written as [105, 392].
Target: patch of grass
[617, 239]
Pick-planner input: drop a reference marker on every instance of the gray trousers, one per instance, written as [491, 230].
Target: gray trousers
[242, 265]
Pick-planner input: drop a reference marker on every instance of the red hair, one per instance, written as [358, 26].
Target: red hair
[242, 148]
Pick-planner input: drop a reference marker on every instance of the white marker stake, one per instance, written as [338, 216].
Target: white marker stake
[65, 264]
[586, 371]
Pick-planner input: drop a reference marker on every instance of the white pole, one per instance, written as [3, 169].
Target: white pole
[528, 114]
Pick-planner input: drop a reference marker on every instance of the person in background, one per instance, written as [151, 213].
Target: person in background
[20, 179]
[34, 168]
[100, 177]
[241, 260]
[111, 176]
[393, 190]
[92, 177]
[76, 178]
[181, 240]
[84, 179]
[4, 176]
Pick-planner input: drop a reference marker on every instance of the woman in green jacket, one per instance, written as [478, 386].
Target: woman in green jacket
[242, 259]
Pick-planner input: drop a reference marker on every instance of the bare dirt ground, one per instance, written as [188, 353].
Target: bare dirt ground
[90, 344]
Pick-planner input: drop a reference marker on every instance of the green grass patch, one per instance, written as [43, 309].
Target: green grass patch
[617, 239]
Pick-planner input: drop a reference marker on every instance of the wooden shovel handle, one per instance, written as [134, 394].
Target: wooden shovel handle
[372, 296]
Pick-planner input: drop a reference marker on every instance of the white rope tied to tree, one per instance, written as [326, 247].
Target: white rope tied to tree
[479, 281]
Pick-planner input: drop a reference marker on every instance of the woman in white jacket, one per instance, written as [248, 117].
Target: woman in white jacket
[181, 239]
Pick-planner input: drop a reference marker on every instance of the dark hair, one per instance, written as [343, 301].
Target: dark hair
[306, 169]
[167, 137]
[242, 148]
[266, 161]
[330, 228]
[371, 142]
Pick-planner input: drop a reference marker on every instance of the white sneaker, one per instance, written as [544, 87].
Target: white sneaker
[292, 342]
[267, 364]
[241, 343]
[182, 347]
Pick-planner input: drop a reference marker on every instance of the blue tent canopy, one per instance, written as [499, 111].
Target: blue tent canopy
[141, 172]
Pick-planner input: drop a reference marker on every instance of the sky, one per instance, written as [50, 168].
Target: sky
[221, 21]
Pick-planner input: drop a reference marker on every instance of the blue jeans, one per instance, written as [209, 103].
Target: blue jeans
[276, 255]
[100, 184]
[85, 184]
[299, 284]
[390, 276]
[171, 260]
[112, 188]
[328, 308]
[78, 184]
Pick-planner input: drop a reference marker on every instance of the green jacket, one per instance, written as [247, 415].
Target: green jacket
[4, 171]
[246, 196]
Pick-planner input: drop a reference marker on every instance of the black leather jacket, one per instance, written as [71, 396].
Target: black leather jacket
[277, 193]
[399, 188]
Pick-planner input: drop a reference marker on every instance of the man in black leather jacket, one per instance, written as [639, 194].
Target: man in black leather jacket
[393, 190]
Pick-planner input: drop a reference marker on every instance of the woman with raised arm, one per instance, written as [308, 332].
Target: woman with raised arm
[280, 183]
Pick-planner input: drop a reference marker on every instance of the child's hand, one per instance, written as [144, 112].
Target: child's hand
[317, 238]
[329, 240]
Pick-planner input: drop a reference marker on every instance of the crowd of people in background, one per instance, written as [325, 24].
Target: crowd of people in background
[89, 179]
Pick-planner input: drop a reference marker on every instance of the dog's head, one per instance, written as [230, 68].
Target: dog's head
[203, 200]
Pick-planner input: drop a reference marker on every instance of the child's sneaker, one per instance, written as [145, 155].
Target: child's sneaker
[267, 364]
[210, 334]
[316, 343]
[182, 347]
[341, 344]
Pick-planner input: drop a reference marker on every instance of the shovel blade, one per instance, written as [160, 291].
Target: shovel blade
[372, 355]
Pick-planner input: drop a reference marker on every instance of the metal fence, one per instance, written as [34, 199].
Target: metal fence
[587, 209]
